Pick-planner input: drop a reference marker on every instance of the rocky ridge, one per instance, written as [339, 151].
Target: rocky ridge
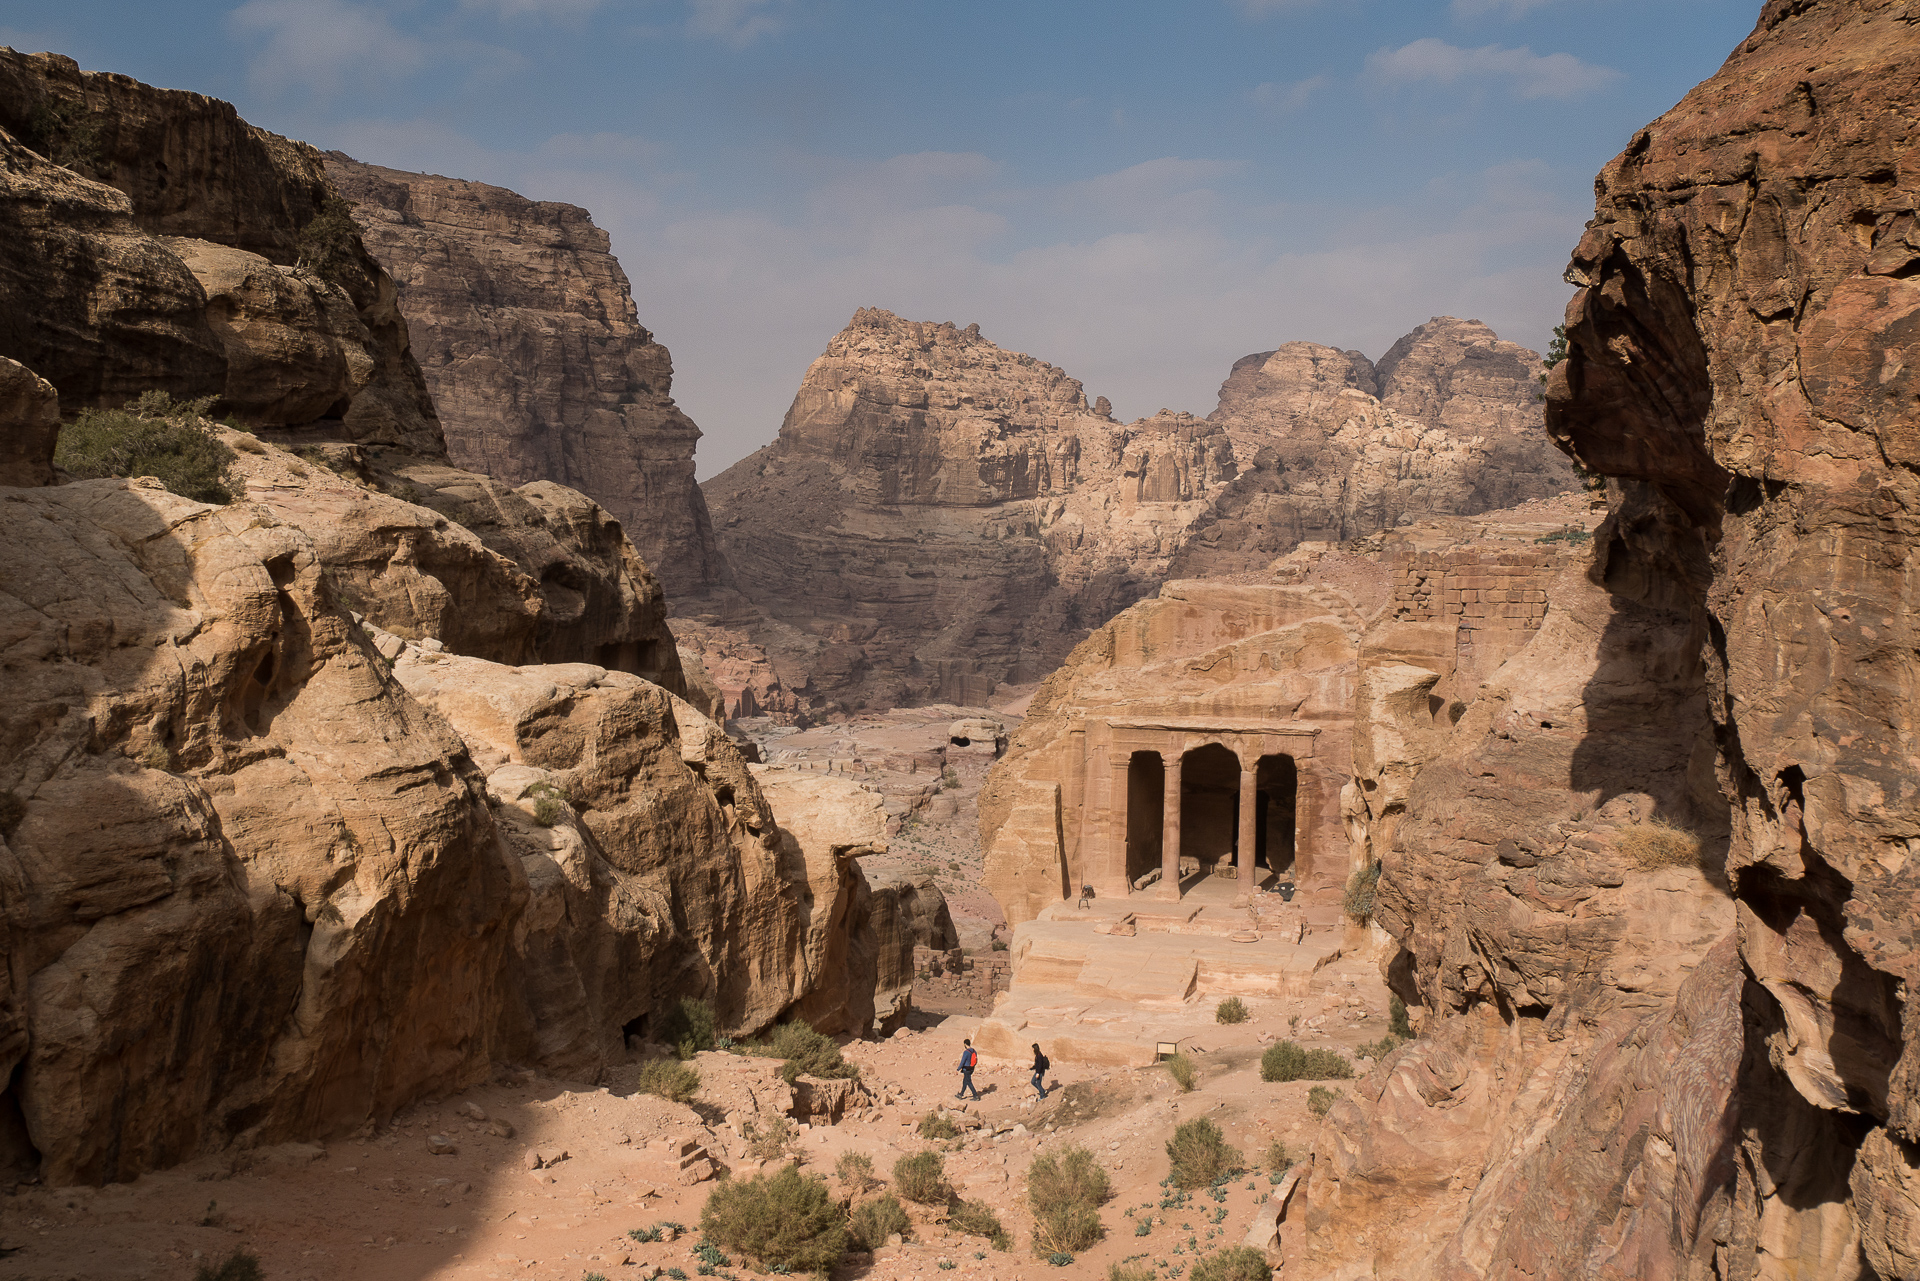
[940, 516]
[525, 330]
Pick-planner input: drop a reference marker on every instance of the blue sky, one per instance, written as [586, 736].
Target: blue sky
[1140, 193]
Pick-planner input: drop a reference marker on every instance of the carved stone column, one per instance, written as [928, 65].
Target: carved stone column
[1249, 816]
[1170, 830]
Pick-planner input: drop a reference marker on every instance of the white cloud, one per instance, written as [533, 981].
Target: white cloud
[1529, 74]
[1467, 9]
[1283, 98]
[737, 22]
[323, 46]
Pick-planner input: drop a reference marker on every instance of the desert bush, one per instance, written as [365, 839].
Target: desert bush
[1361, 886]
[1180, 1068]
[1286, 1061]
[1067, 1229]
[689, 1025]
[872, 1222]
[807, 1053]
[67, 134]
[1397, 1019]
[921, 1177]
[1199, 1155]
[855, 1170]
[1657, 843]
[1320, 1100]
[1072, 1177]
[1235, 1263]
[772, 1140]
[787, 1221]
[1277, 1158]
[1231, 1010]
[1128, 1272]
[153, 436]
[328, 245]
[975, 1220]
[938, 1125]
[1377, 1050]
[670, 1079]
[238, 1266]
[548, 812]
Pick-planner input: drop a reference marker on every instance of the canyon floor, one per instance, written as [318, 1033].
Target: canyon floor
[382, 1207]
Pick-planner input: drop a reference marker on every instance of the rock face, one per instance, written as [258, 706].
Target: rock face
[1333, 447]
[524, 326]
[165, 253]
[1738, 359]
[940, 515]
[29, 425]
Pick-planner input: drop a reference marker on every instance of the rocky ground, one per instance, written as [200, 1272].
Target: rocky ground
[384, 1206]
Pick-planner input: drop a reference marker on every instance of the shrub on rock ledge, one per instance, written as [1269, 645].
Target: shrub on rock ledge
[1657, 843]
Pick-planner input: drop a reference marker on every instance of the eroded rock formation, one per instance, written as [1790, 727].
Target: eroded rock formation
[940, 515]
[525, 328]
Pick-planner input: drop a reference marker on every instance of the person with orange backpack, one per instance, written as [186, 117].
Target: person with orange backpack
[968, 1061]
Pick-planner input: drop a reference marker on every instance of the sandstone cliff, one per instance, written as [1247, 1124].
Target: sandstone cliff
[170, 250]
[525, 329]
[1333, 447]
[1738, 358]
[940, 515]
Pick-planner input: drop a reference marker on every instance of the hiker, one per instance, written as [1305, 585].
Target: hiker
[968, 1061]
[1040, 1066]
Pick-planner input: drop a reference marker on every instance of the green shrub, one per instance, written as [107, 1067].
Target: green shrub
[1320, 1100]
[238, 1266]
[670, 1079]
[1397, 1019]
[807, 1053]
[1128, 1272]
[1071, 1177]
[773, 1140]
[974, 1219]
[329, 244]
[855, 1170]
[1378, 1050]
[689, 1025]
[646, 1235]
[154, 436]
[1235, 1263]
[1285, 1061]
[67, 134]
[1066, 1229]
[1180, 1068]
[1231, 1010]
[1199, 1155]
[938, 1125]
[1277, 1158]
[787, 1221]
[921, 1177]
[1361, 887]
[548, 812]
[872, 1222]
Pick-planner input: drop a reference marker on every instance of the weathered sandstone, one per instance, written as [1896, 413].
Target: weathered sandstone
[525, 329]
[167, 257]
[29, 425]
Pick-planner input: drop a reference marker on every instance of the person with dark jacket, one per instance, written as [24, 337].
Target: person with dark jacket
[968, 1061]
[1040, 1066]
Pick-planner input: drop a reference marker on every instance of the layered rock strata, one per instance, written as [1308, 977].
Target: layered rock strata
[1332, 447]
[178, 248]
[525, 329]
[940, 515]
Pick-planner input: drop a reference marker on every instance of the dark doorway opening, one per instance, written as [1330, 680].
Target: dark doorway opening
[1209, 806]
[1277, 801]
[1146, 812]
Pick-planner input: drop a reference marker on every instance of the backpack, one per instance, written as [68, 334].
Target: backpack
[968, 1058]
[1040, 1064]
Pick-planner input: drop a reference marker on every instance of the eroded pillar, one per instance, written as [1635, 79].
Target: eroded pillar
[1249, 816]
[1170, 830]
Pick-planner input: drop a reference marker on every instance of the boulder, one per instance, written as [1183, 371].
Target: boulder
[29, 425]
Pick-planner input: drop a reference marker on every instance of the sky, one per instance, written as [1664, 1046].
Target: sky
[1140, 193]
